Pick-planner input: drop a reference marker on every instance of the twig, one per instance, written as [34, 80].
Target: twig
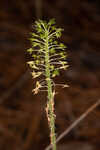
[75, 123]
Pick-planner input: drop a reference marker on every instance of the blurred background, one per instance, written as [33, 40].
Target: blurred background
[23, 122]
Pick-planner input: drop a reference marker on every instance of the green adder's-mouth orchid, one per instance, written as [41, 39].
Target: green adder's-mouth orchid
[48, 57]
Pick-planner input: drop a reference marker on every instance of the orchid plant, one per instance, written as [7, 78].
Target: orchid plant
[48, 57]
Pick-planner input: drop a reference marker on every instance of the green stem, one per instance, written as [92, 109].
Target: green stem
[50, 103]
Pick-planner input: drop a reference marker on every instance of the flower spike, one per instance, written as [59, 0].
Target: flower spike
[48, 57]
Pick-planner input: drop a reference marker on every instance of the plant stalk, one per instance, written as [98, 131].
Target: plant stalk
[50, 103]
